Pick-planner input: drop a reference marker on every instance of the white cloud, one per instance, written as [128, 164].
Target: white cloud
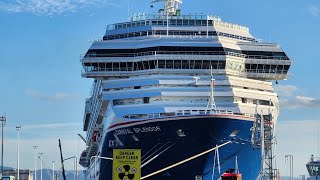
[290, 98]
[286, 90]
[43, 126]
[50, 97]
[314, 10]
[300, 102]
[50, 7]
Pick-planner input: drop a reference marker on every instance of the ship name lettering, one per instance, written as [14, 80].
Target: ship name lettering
[147, 129]
[123, 131]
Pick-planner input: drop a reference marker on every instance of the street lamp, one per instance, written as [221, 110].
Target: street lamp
[35, 162]
[3, 120]
[290, 158]
[40, 156]
[18, 153]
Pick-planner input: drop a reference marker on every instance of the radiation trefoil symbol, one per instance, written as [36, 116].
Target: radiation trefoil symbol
[125, 173]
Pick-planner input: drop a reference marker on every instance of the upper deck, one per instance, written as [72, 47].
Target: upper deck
[179, 20]
[179, 25]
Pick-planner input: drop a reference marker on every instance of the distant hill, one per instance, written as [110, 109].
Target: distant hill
[288, 178]
[6, 168]
[45, 174]
[69, 174]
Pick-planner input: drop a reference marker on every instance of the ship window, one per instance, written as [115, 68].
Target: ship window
[192, 64]
[137, 87]
[214, 64]
[179, 22]
[152, 64]
[173, 22]
[286, 67]
[169, 64]
[254, 66]
[191, 22]
[123, 66]
[198, 64]
[102, 66]
[160, 23]
[185, 64]
[221, 64]
[146, 65]
[146, 100]
[273, 68]
[140, 65]
[115, 66]
[161, 64]
[185, 22]
[109, 66]
[206, 64]
[244, 100]
[177, 64]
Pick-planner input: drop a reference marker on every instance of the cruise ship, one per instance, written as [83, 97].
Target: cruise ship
[174, 86]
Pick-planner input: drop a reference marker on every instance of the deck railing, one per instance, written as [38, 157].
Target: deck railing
[155, 53]
[185, 113]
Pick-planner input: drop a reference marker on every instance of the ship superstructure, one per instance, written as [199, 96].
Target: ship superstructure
[313, 167]
[174, 85]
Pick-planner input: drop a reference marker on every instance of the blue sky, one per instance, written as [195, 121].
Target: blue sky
[40, 71]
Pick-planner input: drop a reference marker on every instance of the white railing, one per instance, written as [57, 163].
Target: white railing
[152, 53]
[185, 113]
[154, 17]
[155, 53]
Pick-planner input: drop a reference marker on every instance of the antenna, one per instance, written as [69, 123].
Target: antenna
[170, 6]
[211, 100]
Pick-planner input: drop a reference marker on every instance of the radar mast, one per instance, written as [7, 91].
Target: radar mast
[170, 6]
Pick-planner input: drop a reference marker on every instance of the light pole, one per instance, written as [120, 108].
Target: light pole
[75, 166]
[18, 153]
[52, 170]
[40, 156]
[290, 158]
[3, 120]
[35, 162]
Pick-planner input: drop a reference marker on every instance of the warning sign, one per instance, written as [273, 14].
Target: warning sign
[126, 164]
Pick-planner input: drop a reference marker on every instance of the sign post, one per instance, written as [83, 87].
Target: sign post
[126, 164]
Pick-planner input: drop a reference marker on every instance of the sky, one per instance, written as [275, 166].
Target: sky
[40, 71]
